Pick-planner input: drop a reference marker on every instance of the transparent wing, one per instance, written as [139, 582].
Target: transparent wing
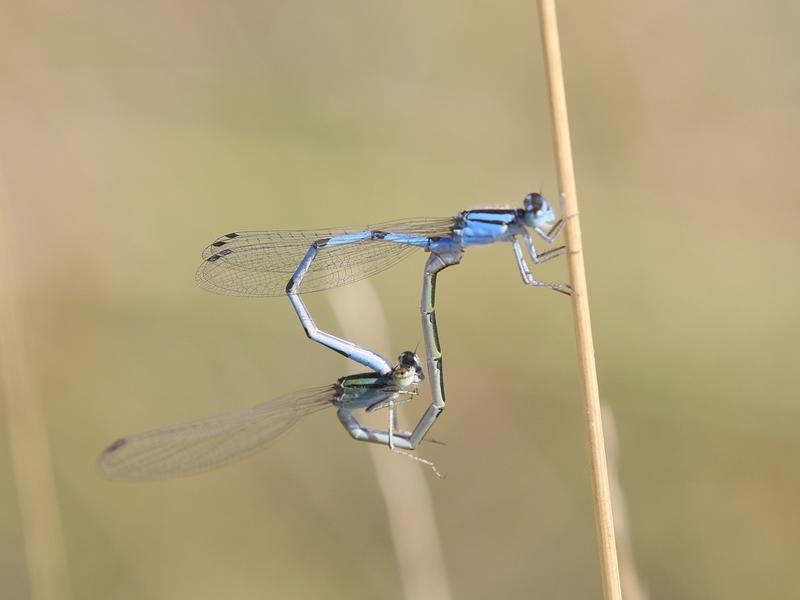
[260, 263]
[200, 445]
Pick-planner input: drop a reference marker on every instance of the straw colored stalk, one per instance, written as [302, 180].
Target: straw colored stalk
[580, 302]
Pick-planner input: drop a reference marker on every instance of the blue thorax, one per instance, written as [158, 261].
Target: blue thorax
[487, 226]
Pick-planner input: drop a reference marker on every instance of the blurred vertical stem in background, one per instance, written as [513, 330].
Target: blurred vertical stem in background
[632, 586]
[402, 481]
[580, 301]
[27, 434]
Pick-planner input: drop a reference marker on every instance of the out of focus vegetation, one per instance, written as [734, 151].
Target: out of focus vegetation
[132, 135]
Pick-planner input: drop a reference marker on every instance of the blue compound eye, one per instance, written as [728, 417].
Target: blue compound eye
[534, 202]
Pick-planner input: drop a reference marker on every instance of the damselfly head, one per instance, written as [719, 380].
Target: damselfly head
[408, 371]
[538, 213]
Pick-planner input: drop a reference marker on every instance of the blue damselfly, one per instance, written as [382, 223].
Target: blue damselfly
[272, 263]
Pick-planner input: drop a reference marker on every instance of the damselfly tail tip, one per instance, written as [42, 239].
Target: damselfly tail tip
[115, 446]
[105, 463]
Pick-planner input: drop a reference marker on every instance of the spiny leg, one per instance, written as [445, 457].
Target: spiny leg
[363, 356]
[398, 443]
[393, 434]
[540, 257]
[367, 434]
[548, 237]
[555, 230]
[527, 276]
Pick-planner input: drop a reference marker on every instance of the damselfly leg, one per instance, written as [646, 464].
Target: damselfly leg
[396, 450]
[525, 272]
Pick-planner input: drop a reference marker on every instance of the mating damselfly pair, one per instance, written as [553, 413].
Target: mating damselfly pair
[273, 263]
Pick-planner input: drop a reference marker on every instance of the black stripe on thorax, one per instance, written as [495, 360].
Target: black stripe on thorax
[495, 211]
[489, 221]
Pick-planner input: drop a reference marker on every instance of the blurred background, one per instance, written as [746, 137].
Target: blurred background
[131, 135]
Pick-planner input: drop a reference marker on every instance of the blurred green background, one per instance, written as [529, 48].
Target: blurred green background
[133, 134]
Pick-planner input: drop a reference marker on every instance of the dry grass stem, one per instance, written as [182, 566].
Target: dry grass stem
[402, 481]
[580, 301]
[27, 434]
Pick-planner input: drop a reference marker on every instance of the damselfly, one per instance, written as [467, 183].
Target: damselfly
[271, 263]
[200, 445]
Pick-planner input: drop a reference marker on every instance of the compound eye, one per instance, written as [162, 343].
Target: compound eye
[407, 359]
[534, 202]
